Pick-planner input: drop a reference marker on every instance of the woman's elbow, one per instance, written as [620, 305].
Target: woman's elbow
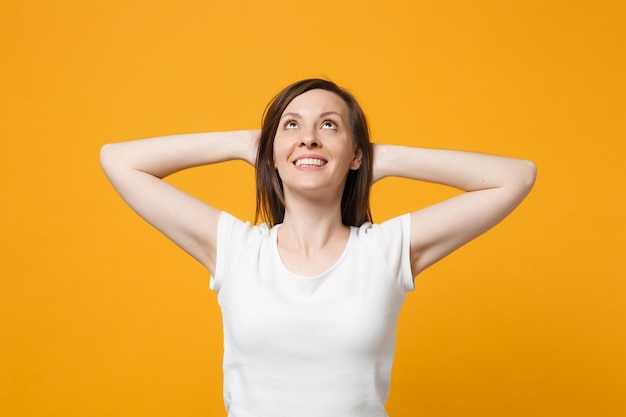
[109, 156]
[530, 173]
[526, 174]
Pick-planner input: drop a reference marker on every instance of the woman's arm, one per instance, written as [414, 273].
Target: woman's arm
[493, 186]
[136, 169]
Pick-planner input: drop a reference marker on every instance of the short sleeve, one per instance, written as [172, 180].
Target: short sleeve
[393, 239]
[233, 237]
[407, 271]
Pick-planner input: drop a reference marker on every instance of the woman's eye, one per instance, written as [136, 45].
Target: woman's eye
[329, 124]
[290, 124]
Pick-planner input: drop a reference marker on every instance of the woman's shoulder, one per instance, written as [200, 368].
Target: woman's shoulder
[399, 224]
[388, 243]
[231, 226]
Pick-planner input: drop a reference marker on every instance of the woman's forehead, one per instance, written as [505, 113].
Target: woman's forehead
[316, 102]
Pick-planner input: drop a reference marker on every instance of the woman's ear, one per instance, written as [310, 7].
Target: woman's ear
[358, 158]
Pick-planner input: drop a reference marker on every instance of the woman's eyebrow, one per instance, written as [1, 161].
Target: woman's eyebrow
[331, 113]
[322, 115]
[296, 115]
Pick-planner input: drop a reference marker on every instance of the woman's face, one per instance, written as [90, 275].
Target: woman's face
[313, 146]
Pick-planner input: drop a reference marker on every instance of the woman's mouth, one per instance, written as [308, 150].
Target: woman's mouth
[309, 162]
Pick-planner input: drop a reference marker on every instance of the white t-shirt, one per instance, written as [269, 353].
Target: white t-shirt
[299, 346]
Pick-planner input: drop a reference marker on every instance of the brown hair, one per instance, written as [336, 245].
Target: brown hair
[270, 199]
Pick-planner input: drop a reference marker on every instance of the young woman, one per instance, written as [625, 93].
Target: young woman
[310, 298]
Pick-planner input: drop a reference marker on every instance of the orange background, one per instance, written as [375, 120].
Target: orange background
[101, 316]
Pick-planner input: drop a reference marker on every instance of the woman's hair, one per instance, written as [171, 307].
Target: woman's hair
[270, 199]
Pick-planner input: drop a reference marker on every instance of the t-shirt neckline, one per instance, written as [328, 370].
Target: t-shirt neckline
[274, 234]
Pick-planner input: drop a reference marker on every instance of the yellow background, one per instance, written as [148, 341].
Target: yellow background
[101, 316]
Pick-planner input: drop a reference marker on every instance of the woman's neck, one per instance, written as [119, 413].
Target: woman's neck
[310, 227]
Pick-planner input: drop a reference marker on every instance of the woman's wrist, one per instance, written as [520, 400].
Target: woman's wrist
[250, 142]
[382, 161]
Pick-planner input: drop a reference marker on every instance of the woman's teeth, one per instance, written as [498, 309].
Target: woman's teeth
[309, 162]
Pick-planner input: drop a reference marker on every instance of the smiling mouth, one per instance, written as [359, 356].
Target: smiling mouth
[309, 162]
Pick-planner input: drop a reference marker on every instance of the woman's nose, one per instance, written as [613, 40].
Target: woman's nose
[310, 140]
